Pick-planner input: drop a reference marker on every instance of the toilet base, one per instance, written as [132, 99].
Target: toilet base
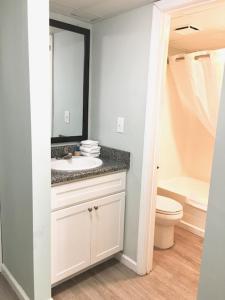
[164, 236]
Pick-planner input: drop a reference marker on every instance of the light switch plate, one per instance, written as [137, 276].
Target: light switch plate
[120, 124]
[66, 116]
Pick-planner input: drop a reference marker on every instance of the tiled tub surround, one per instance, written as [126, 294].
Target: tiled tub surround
[113, 161]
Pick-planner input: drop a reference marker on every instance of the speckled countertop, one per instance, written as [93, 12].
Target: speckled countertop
[113, 161]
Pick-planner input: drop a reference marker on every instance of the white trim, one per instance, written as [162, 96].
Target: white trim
[14, 284]
[157, 69]
[0, 245]
[192, 228]
[162, 11]
[127, 261]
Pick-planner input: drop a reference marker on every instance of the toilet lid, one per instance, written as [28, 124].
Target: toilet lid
[167, 205]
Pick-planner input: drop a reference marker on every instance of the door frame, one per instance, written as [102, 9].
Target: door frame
[161, 16]
[0, 245]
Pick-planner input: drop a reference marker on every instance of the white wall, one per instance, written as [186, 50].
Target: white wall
[119, 89]
[25, 152]
[168, 147]
[213, 265]
[40, 109]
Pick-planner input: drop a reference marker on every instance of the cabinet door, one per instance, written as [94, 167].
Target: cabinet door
[71, 241]
[108, 226]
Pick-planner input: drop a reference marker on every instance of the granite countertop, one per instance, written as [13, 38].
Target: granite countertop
[113, 161]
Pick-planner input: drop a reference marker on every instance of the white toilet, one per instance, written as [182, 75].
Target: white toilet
[168, 213]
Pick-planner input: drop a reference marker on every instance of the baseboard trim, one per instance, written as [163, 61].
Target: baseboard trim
[193, 229]
[127, 261]
[14, 284]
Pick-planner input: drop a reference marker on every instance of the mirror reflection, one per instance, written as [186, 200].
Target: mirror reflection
[67, 54]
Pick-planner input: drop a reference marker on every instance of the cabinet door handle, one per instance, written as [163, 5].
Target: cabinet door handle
[90, 209]
[96, 207]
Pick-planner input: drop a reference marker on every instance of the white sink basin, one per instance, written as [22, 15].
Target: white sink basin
[78, 163]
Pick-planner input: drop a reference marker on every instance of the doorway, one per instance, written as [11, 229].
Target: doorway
[162, 14]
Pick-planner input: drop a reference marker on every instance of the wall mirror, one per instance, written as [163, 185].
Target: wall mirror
[69, 52]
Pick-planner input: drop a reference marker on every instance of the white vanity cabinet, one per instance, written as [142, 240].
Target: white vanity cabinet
[107, 227]
[71, 238]
[87, 223]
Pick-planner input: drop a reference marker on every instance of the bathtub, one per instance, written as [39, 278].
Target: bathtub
[193, 195]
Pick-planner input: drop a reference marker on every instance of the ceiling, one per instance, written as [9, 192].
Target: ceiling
[210, 19]
[211, 22]
[94, 10]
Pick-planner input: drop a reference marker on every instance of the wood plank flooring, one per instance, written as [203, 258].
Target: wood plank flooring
[6, 292]
[175, 276]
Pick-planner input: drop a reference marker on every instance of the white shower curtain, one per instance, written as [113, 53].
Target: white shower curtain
[198, 79]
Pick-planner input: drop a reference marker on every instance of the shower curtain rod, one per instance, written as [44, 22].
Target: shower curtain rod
[196, 57]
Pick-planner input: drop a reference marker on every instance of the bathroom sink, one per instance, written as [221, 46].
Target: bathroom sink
[76, 163]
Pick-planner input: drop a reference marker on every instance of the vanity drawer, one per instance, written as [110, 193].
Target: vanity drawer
[88, 189]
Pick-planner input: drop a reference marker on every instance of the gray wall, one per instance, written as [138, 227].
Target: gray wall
[119, 89]
[25, 193]
[212, 280]
[16, 205]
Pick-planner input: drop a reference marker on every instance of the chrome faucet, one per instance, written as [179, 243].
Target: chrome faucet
[67, 154]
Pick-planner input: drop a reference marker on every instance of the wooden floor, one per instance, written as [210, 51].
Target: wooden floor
[6, 293]
[175, 277]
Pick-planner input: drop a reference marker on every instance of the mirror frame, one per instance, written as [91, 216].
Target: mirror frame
[86, 33]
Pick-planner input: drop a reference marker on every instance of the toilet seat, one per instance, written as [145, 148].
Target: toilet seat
[168, 206]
